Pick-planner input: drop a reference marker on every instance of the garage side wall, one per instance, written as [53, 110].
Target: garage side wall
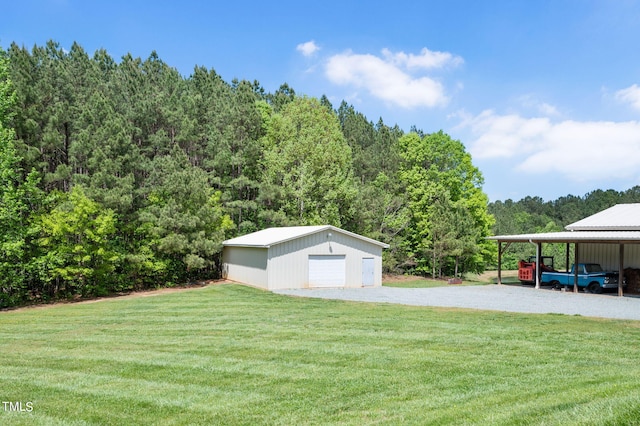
[246, 265]
[289, 261]
[608, 255]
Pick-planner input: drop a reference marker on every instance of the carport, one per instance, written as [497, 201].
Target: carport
[612, 234]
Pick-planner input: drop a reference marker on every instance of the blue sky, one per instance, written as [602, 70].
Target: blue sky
[544, 94]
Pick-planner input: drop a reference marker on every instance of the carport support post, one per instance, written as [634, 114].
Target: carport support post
[621, 271]
[538, 271]
[499, 262]
[575, 270]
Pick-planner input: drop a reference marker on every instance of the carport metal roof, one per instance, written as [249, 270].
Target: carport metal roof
[613, 237]
[621, 217]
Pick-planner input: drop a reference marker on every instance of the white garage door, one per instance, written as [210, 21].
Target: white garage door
[327, 271]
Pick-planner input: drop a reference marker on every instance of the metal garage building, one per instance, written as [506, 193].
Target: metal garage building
[303, 257]
[610, 238]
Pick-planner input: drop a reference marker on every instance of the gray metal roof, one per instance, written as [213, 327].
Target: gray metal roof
[272, 236]
[621, 217]
[573, 236]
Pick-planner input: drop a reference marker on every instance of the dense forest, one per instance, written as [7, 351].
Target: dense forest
[123, 175]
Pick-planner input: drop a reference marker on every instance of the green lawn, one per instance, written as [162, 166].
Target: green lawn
[418, 282]
[235, 355]
[414, 282]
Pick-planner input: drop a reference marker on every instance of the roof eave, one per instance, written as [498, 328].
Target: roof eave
[602, 229]
[607, 237]
[311, 232]
[246, 245]
[334, 229]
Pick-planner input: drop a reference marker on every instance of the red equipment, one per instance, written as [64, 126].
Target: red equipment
[527, 270]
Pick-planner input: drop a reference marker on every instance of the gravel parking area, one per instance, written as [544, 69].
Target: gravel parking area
[508, 298]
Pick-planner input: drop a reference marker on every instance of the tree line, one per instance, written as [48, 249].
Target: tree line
[124, 175]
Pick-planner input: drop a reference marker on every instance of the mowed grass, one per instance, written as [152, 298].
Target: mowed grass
[235, 355]
[412, 281]
[419, 282]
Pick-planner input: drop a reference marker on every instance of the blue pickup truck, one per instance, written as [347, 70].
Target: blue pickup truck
[591, 278]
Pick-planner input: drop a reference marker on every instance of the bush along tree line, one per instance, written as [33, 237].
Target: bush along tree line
[116, 176]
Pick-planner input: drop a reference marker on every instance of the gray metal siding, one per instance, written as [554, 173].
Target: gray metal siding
[608, 255]
[289, 261]
[246, 265]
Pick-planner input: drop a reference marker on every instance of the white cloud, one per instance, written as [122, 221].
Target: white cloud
[388, 77]
[427, 59]
[533, 103]
[547, 109]
[578, 151]
[630, 95]
[308, 48]
[505, 135]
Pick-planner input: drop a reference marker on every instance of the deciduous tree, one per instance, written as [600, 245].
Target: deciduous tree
[79, 252]
[440, 178]
[307, 178]
[19, 203]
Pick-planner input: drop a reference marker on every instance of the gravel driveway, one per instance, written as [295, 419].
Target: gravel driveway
[507, 298]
